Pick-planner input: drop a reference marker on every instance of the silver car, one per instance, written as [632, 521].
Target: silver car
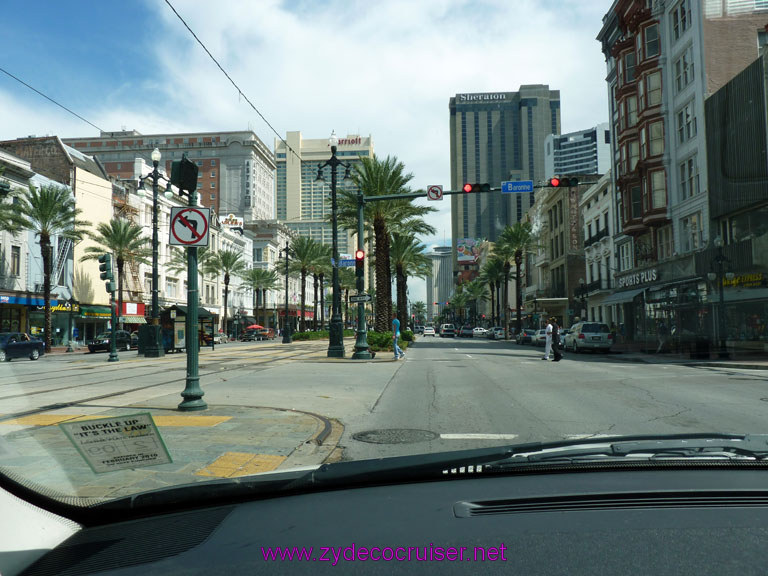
[589, 336]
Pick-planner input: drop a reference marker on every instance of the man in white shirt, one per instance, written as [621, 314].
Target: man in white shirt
[548, 341]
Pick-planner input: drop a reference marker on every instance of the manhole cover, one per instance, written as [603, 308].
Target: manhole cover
[394, 436]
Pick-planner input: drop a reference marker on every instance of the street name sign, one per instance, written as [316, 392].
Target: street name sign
[344, 263]
[189, 226]
[517, 187]
[357, 298]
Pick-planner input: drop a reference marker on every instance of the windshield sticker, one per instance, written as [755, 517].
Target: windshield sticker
[118, 443]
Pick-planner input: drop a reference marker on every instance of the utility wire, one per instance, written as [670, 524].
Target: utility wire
[239, 91]
[51, 99]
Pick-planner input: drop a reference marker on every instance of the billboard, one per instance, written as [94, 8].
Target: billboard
[468, 250]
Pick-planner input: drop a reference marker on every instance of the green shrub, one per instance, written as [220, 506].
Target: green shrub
[319, 335]
[382, 341]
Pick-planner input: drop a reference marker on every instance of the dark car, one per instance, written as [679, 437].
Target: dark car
[20, 345]
[103, 340]
[264, 334]
[526, 336]
[466, 331]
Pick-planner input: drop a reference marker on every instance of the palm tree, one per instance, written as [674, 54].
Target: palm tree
[475, 290]
[491, 274]
[514, 243]
[10, 218]
[408, 260]
[230, 263]
[124, 240]
[50, 211]
[419, 309]
[376, 177]
[259, 279]
[305, 252]
[459, 302]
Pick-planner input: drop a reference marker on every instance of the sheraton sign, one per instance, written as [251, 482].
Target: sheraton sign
[481, 97]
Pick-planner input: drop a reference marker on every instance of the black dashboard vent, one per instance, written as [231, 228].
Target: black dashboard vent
[131, 543]
[618, 501]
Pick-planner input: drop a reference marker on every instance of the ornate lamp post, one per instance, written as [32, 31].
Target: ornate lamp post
[718, 276]
[154, 348]
[336, 344]
[286, 323]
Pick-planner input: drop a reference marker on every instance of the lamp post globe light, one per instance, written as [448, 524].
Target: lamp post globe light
[153, 333]
[336, 340]
[719, 277]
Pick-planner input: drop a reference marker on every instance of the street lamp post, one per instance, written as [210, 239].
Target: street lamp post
[286, 325]
[718, 276]
[154, 348]
[582, 299]
[69, 339]
[336, 340]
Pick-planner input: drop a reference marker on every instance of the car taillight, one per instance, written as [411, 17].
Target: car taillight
[581, 337]
[610, 336]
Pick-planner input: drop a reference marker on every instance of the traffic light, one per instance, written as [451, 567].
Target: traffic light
[184, 174]
[473, 188]
[359, 261]
[105, 267]
[563, 182]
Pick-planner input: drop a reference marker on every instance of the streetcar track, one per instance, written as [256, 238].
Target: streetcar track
[60, 405]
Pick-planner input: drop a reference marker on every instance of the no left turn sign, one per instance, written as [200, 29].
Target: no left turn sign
[189, 226]
[435, 192]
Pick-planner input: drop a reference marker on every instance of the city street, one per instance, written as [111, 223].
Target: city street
[447, 394]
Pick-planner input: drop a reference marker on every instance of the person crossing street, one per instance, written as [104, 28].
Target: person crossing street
[395, 335]
[556, 340]
[548, 341]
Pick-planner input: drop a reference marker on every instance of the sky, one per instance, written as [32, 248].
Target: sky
[384, 68]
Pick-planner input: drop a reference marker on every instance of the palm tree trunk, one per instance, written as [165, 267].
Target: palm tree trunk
[226, 298]
[518, 294]
[322, 301]
[314, 304]
[498, 303]
[45, 249]
[493, 303]
[302, 325]
[346, 306]
[506, 300]
[264, 304]
[383, 278]
[402, 296]
[120, 268]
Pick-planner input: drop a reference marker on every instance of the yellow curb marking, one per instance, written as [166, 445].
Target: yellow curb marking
[53, 419]
[232, 464]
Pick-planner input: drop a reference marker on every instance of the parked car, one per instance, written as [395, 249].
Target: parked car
[526, 336]
[103, 341]
[478, 331]
[466, 331]
[491, 332]
[589, 336]
[539, 337]
[447, 331]
[20, 345]
[265, 334]
[498, 333]
[429, 331]
[418, 329]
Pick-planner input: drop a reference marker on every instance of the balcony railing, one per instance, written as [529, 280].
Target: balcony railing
[596, 237]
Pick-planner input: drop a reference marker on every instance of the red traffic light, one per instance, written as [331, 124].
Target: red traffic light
[359, 254]
[467, 188]
[564, 182]
[554, 182]
[473, 188]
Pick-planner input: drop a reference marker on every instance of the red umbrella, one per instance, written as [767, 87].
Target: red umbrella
[254, 327]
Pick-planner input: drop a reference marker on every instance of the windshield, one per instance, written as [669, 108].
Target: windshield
[502, 173]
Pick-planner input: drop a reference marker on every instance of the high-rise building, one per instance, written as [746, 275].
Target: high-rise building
[302, 202]
[583, 152]
[236, 170]
[496, 137]
[440, 282]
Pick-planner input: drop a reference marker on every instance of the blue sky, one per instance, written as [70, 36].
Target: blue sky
[384, 68]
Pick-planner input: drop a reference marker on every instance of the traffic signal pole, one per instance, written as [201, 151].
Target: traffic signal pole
[361, 342]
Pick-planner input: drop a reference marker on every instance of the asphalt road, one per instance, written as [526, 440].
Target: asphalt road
[465, 393]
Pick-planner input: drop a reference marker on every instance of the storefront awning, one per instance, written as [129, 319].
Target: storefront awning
[133, 320]
[95, 311]
[202, 313]
[620, 297]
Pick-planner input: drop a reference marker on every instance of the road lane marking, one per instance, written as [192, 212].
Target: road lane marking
[478, 436]
[468, 356]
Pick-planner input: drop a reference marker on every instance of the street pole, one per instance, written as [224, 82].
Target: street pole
[112, 341]
[192, 394]
[361, 342]
[69, 339]
[286, 326]
[336, 339]
[154, 347]
[723, 352]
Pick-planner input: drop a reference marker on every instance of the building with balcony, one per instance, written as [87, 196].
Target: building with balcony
[664, 59]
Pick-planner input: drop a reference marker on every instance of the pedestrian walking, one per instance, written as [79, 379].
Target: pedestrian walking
[556, 341]
[548, 340]
[395, 335]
